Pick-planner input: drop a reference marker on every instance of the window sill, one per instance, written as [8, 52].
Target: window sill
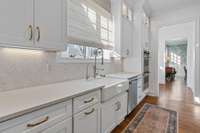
[80, 61]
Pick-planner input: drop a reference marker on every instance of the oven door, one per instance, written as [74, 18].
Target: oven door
[146, 81]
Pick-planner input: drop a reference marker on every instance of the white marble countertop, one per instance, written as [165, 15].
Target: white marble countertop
[125, 75]
[18, 102]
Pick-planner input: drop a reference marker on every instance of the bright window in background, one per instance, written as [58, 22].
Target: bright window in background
[103, 25]
[175, 58]
[91, 14]
[106, 28]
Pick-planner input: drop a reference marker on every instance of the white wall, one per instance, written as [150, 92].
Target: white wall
[160, 20]
[179, 31]
[24, 68]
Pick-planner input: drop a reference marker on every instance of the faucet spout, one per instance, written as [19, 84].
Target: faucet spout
[95, 60]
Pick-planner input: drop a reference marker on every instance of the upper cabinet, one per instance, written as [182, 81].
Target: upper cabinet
[34, 24]
[146, 31]
[49, 24]
[16, 25]
[124, 26]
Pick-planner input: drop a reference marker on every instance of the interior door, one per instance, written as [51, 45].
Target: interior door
[49, 24]
[16, 24]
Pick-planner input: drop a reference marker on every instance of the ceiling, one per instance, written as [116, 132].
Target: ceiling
[158, 6]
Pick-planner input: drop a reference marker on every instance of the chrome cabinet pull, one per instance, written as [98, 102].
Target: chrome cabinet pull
[88, 113]
[38, 123]
[89, 101]
[38, 33]
[30, 32]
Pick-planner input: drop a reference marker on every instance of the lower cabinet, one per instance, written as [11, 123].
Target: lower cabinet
[88, 120]
[113, 112]
[53, 119]
[95, 117]
[62, 127]
[141, 93]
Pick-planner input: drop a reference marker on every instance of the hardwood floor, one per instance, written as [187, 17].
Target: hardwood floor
[175, 96]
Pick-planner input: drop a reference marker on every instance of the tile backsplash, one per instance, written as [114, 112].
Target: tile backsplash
[24, 68]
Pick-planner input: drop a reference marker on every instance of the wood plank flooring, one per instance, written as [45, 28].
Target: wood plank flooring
[176, 96]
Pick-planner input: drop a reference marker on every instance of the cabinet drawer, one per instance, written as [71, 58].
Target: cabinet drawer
[89, 116]
[38, 120]
[114, 90]
[85, 101]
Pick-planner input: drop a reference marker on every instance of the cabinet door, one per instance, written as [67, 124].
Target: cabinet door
[87, 121]
[122, 107]
[62, 127]
[127, 38]
[108, 114]
[16, 23]
[49, 24]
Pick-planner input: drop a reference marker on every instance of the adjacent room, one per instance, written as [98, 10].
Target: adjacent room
[176, 60]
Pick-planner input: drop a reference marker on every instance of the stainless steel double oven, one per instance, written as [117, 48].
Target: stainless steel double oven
[146, 70]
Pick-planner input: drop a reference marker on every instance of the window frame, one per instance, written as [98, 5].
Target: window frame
[100, 13]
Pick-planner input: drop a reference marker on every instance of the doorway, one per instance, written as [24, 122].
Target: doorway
[176, 54]
[176, 60]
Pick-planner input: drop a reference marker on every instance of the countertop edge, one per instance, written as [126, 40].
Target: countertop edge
[50, 103]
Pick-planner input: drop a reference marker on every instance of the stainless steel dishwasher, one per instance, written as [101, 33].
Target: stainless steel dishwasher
[132, 93]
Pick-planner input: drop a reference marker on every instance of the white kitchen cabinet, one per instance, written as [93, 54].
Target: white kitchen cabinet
[145, 31]
[16, 25]
[127, 38]
[87, 100]
[122, 107]
[113, 112]
[62, 127]
[141, 94]
[124, 27]
[88, 121]
[42, 121]
[108, 114]
[49, 24]
[33, 24]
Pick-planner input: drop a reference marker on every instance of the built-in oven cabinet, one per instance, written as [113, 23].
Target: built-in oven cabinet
[146, 70]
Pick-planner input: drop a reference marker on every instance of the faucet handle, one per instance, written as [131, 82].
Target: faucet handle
[87, 72]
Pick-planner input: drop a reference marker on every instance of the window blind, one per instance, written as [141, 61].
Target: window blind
[88, 24]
